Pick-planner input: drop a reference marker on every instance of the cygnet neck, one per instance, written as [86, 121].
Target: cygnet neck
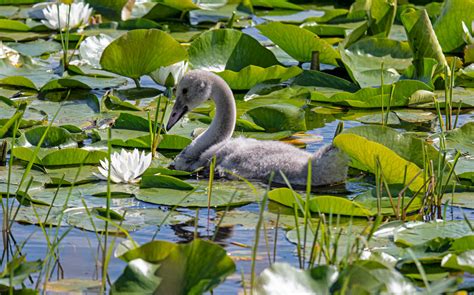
[223, 124]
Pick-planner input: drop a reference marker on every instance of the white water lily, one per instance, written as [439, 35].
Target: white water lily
[126, 167]
[91, 49]
[467, 33]
[77, 13]
[170, 75]
[11, 55]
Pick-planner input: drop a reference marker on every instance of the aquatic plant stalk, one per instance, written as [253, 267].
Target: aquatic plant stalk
[263, 205]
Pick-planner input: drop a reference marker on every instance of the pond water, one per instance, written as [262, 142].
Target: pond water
[371, 72]
[78, 252]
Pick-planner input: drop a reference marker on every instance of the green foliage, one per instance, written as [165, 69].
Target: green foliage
[128, 57]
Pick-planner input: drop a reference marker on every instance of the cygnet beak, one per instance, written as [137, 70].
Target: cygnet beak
[177, 113]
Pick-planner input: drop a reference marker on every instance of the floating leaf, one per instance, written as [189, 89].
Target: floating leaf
[196, 267]
[252, 75]
[463, 261]
[448, 26]
[393, 166]
[222, 195]
[363, 60]
[128, 219]
[164, 181]
[419, 233]
[405, 145]
[278, 117]
[405, 92]
[423, 41]
[323, 204]
[128, 57]
[56, 136]
[109, 8]
[299, 43]
[282, 277]
[13, 25]
[226, 49]
[73, 156]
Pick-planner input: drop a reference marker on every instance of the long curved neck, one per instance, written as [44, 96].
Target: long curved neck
[223, 124]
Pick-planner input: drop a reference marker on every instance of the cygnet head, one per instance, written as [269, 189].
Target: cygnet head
[193, 89]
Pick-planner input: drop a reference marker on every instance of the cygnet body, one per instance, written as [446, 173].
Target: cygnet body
[248, 158]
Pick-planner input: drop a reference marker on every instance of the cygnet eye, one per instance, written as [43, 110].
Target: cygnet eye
[185, 91]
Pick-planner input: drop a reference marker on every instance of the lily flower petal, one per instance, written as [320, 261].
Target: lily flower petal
[125, 167]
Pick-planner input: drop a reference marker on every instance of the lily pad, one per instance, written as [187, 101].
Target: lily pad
[393, 166]
[405, 93]
[364, 60]
[419, 233]
[252, 75]
[448, 26]
[192, 268]
[406, 145]
[299, 43]
[222, 194]
[278, 117]
[423, 40]
[56, 136]
[35, 48]
[128, 57]
[227, 49]
[320, 204]
[134, 219]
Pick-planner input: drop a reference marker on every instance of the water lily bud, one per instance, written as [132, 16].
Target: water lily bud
[170, 75]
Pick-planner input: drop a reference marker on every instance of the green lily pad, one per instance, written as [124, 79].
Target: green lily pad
[35, 48]
[78, 112]
[463, 261]
[73, 156]
[227, 49]
[128, 57]
[40, 215]
[282, 4]
[393, 166]
[93, 194]
[381, 15]
[13, 25]
[164, 181]
[27, 76]
[166, 9]
[321, 79]
[423, 40]
[364, 59]
[405, 145]
[324, 204]
[278, 117]
[419, 233]
[63, 157]
[448, 26]
[197, 267]
[167, 142]
[109, 8]
[299, 43]
[133, 219]
[17, 270]
[56, 136]
[222, 193]
[252, 75]
[315, 281]
[66, 176]
[405, 93]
